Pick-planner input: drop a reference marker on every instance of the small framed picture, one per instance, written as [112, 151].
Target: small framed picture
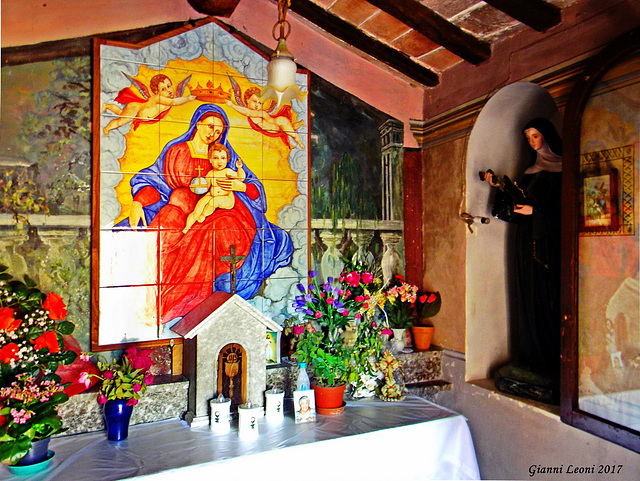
[600, 203]
[272, 347]
[304, 403]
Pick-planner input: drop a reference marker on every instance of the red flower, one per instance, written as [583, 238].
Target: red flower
[432, 298]
[353, 279]
[367, 277]
[137, 387]
[132, 402]
[48, 340]
[297, 330]
[102, 399]
[7, 322]
[108, 374]
[359, 299]
[8, 352]
[139, 359]
[148, 379]
[423, 299]
[56, 306]
[318, 314]
[329, 300]
[3, 419]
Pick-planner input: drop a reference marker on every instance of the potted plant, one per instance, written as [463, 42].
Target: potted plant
[122, 383]
[330, 306]
[400, 309]
[428, 305]
[32, 326]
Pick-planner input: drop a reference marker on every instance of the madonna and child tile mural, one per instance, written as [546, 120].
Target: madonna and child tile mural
[197, 183]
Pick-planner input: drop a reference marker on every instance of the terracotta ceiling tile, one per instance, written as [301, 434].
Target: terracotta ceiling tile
[385, 26]
[440, 59]
[486, 21]
[414, 44]
[353, 11]
[449, 8]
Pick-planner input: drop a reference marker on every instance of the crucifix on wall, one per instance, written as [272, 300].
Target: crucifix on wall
[233, 259]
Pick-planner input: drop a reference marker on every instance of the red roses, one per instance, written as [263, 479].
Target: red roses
[7, 321]
[56, 307]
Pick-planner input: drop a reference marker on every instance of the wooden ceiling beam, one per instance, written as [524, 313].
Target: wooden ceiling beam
[537, 14]
[437, 28]
[351, 35]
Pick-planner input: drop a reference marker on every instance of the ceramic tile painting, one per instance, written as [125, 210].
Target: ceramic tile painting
[201, 187]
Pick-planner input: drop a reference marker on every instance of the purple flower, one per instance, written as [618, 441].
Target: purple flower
[312, 274]
[300, 288]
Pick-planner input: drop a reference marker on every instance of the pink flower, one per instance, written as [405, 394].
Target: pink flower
[297, 330]
[137, 387]
[102, 398]
[353, 279]
[318, 314]
[367, 277]
[359, 299]
[358, 316]
[84, 357]
[148, 379]
[108, 374]
[85, 379]
[132, 402]
[329, 300]
[386, 332]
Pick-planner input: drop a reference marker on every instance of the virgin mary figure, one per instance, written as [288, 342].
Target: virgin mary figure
[189, 264]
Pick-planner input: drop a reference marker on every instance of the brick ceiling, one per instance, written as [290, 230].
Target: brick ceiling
[419, 39]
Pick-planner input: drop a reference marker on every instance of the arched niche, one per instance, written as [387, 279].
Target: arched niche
[496, 142]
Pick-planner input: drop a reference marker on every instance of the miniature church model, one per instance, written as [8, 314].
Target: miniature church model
[224, 353]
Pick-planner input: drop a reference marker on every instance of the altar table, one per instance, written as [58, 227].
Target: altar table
[372, 439]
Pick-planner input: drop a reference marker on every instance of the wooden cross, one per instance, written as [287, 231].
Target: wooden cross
[232, 259]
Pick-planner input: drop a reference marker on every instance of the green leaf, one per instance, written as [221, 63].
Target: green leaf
[65, 328]
[29, 282]
[19, 289]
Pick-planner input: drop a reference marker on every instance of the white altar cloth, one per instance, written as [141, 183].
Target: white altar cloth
[412, 439]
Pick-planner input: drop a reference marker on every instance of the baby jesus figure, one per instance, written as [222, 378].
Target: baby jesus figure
[216, 197]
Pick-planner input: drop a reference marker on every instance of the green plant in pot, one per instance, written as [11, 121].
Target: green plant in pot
[427, 306]
[330, 306]
[32, 347]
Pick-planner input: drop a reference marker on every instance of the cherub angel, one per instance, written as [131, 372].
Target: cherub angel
[144, 107]
[279, 124]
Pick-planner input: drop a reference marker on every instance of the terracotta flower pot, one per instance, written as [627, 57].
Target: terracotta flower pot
[329, 398]
[422, 337]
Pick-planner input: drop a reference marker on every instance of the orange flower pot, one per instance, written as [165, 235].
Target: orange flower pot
[328, 398]
[422, 337]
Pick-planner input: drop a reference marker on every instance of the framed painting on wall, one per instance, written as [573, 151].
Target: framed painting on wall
[199, 186]
[606, 193]
[600, 202]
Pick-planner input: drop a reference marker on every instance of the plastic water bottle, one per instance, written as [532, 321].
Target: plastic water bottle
[303, 383]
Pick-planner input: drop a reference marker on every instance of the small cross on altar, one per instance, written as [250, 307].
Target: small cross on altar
[232, 259]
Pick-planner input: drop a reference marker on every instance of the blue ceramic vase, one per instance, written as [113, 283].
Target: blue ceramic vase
[39, 452]
[117, 416]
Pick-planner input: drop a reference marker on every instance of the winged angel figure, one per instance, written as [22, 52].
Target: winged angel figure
[263, 120]
[144, 107]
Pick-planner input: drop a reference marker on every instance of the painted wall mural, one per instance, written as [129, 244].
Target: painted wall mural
[609, 249]
[46, 174]
[178, 218]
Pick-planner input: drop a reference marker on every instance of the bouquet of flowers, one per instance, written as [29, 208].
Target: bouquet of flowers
[332, 306]
[125, 379]
[32, 327]
[400, 303]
